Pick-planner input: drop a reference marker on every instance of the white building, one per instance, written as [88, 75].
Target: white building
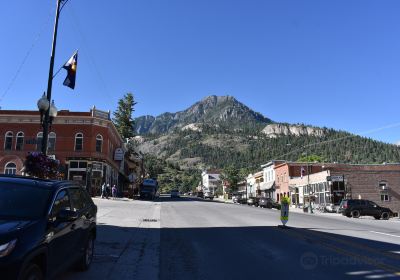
[211, 180]
[268, 186]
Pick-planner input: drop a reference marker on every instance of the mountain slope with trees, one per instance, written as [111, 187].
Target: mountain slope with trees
[220, 131]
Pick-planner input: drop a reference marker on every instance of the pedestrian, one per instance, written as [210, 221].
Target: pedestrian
[107, 190]
[114, 192]
[103, 190]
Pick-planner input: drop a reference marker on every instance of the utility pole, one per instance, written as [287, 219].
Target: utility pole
[46, 120]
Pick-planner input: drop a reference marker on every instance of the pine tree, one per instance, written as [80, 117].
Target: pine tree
[123, 116]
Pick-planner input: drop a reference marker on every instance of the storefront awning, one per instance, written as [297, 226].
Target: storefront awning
[267, 186]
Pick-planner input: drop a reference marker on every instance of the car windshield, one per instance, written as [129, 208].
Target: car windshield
[22, 202]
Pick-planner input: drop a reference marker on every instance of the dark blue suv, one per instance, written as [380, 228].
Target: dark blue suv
[46, 226]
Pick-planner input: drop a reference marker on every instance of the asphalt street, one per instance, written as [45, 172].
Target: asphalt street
[188, 238]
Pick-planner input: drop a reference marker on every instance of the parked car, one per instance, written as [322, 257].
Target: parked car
[174, 194]
[360, 207]
[208, 195]
[266, 202]
[238, 198]
[253, 201]
[200, 194]
[46, 226]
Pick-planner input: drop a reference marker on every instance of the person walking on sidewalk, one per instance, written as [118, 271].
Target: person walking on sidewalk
[114, 192]
[103, 190]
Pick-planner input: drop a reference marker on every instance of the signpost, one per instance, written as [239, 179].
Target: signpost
[285, 210]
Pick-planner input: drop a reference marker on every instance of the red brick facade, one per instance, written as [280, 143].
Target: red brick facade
[66, 129]
[284, 171]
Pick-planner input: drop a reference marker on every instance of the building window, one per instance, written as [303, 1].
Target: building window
[20, 141]
[99, 143]
[8, 140]
[39, 139]
[10, 168]
[78, 142]
[52, 142]
[384, 196]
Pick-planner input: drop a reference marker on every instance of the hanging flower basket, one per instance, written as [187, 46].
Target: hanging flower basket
[39, 165]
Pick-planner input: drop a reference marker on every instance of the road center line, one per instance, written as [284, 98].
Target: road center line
[383, 233]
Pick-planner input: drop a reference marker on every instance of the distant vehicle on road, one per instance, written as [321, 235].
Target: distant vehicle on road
[360, 207]
[208, 195]
[266, 202]
[253, 201]
[148, 189]
[46, 226]
[238, 198]
[174, 194]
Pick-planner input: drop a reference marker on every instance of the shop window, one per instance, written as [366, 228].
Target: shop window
[52, 142]
[99, 143]
[20, 141]
[10, 168]
[79, 142]
[8, 140]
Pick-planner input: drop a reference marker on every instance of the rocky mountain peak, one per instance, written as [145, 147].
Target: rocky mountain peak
[211, 109]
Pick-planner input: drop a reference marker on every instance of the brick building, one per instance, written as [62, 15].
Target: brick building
[285, 171]
[87, 144]
[330, 183]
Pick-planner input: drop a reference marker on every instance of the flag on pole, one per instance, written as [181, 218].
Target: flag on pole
[70, 66]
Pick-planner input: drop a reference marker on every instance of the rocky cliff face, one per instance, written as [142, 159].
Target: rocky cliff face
[214, 110]
[276, 130]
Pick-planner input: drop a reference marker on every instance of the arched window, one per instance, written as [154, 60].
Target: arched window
[10, 168]
[19, 146]
[8, 141]
[78, 142]
[99, 143]
[52, 142]
[39, 139]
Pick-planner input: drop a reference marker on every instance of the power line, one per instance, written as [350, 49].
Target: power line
[88, 53]
[339, 139]
[37, 37]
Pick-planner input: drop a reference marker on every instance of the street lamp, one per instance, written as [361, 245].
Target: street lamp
[49, 111]
[47, 114]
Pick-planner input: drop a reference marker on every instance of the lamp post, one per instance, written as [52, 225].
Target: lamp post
[47, 110]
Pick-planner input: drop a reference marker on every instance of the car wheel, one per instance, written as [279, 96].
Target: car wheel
[355, 214]
[32, 272]
[385, 216]
[87, 258]
[377, 217]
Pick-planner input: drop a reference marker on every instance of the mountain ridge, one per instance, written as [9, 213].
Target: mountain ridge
[219, 110]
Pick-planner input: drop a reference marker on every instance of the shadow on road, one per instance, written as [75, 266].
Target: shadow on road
[237, 253]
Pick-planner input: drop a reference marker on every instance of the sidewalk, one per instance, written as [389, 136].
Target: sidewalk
[220, 199]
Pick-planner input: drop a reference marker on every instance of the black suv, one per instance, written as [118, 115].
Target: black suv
[361, 207]
[45, 227]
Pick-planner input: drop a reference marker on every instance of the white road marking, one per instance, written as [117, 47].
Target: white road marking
[383, 233]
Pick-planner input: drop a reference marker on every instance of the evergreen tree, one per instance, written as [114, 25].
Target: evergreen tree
[123, 116]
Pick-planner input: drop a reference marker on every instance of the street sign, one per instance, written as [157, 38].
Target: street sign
[284, 212]
[119, 154]
[336, 178]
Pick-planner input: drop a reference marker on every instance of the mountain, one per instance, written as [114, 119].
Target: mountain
[219, 131]
[212, 110]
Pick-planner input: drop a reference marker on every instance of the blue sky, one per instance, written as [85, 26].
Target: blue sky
[326, 63]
